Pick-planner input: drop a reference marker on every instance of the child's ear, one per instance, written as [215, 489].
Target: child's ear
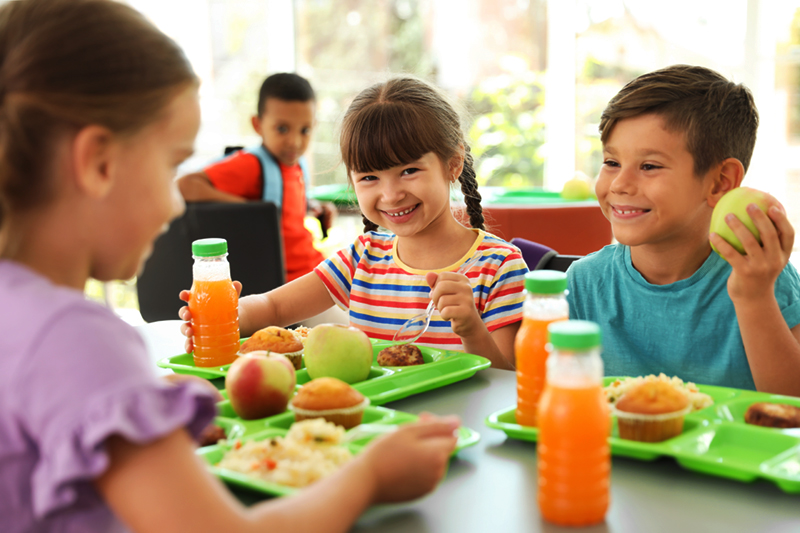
[93, 152]
[255, 120]
[456, 165]
[729, 175]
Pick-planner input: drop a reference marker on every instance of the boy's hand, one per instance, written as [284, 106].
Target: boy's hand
[754, 273]
[324, 211]
[452, 295]
[410, 462]
[186, 315]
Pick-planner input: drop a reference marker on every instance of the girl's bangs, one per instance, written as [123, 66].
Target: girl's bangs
[386, 135]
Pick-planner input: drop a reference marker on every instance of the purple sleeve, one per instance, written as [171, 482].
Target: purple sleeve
[88, 378]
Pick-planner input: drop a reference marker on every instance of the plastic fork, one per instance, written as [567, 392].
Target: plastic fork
[367, 430]
[413, 328]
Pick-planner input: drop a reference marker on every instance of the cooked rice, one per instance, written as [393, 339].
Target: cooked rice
[301, 332]
[615, 390]
[310, 451]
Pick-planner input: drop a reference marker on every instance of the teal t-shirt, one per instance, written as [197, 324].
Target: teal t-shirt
[686, 329]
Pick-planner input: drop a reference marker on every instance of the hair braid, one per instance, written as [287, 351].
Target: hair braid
[368, 224]
[469, 186]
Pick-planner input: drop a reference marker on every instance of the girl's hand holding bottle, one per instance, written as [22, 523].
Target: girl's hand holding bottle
[186, 315]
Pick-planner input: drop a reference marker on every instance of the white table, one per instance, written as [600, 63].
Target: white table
[491, 487]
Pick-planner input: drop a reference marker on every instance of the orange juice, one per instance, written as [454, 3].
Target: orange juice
[215, 321]
[545, 302]
[574, 458]
[573, 455]
[531, 355]
[214, 305]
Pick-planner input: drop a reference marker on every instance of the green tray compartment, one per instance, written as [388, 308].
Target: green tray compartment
[714, 441]
[384, 384]
[278, 425]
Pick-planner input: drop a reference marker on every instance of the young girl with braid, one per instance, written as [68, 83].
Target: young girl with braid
[97, 110]
[403, 148]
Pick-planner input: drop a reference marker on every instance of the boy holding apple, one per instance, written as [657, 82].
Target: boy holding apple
[674, 142]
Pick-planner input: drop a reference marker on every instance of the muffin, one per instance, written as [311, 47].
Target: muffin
[400, 355]
[651, 412]
[773, 415]
[331, 399]
[276, 340]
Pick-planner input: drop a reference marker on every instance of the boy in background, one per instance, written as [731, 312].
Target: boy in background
[674, 141]
[274, 171]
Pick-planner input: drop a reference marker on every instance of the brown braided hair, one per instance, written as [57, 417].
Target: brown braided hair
[66, 64]
[398, 121]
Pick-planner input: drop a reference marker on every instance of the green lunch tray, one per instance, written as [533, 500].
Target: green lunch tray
[715, 440]
[384, 383]
[278, 425]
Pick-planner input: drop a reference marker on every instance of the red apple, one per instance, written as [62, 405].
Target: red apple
[736, 201]
[260, 384]
[338, 351]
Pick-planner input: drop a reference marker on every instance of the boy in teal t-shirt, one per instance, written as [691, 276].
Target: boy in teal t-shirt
[674, 141]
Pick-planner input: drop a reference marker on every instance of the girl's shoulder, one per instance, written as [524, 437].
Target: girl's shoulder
[35, 311]
[377, 239]
[494, 244]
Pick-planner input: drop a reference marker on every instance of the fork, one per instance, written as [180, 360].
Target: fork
[425, 318]
[367, 430]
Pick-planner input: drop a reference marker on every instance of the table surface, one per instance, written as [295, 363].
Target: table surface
[492, 486]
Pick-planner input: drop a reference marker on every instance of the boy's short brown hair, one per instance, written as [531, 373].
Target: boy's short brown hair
[719, 117]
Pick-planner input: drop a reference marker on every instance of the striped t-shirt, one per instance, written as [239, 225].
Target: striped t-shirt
[380, 293]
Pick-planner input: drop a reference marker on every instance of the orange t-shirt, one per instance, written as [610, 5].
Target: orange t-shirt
[240, 174]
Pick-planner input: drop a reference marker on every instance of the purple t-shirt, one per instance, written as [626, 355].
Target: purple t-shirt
[72, 375]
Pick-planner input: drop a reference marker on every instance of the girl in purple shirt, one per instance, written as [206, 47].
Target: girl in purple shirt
[97, 110]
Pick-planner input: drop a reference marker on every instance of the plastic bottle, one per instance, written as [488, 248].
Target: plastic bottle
[545, 302]
[214, 305]
[574, 424]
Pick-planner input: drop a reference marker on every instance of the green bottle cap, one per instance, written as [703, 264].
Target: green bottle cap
[574, 334]
[545, 282]
[209, 247]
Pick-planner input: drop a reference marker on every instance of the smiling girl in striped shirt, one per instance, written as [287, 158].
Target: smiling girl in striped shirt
[403, 148]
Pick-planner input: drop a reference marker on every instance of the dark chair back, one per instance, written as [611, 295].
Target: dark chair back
[255, 253]
[560, 262]
[540, 257]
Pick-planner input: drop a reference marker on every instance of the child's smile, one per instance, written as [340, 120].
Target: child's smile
[402, 215]
[647, 187]
[405, 199]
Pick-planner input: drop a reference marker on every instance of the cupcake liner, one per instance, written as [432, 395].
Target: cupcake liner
[650, 427]
[347, 417]
[296, 358]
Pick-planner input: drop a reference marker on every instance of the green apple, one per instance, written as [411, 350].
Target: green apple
[577, 189]
[338, 351]
[736, 201]
[259, 384]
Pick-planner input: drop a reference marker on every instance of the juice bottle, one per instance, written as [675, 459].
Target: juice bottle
[214, 305]
[574, 424]
[545, 302]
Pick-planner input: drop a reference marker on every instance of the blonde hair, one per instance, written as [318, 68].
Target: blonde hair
[65, 64]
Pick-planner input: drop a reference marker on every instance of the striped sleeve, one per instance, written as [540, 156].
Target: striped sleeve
[338, 270]
[503, 303]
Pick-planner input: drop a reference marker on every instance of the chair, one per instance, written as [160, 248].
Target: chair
[560, 262]
[540, 257]
[254, 247]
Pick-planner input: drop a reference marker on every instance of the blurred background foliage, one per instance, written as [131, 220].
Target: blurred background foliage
[507, 131]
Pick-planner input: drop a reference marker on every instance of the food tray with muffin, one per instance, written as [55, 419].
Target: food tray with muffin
[251, 456]
[384, 383]
[743, 435]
